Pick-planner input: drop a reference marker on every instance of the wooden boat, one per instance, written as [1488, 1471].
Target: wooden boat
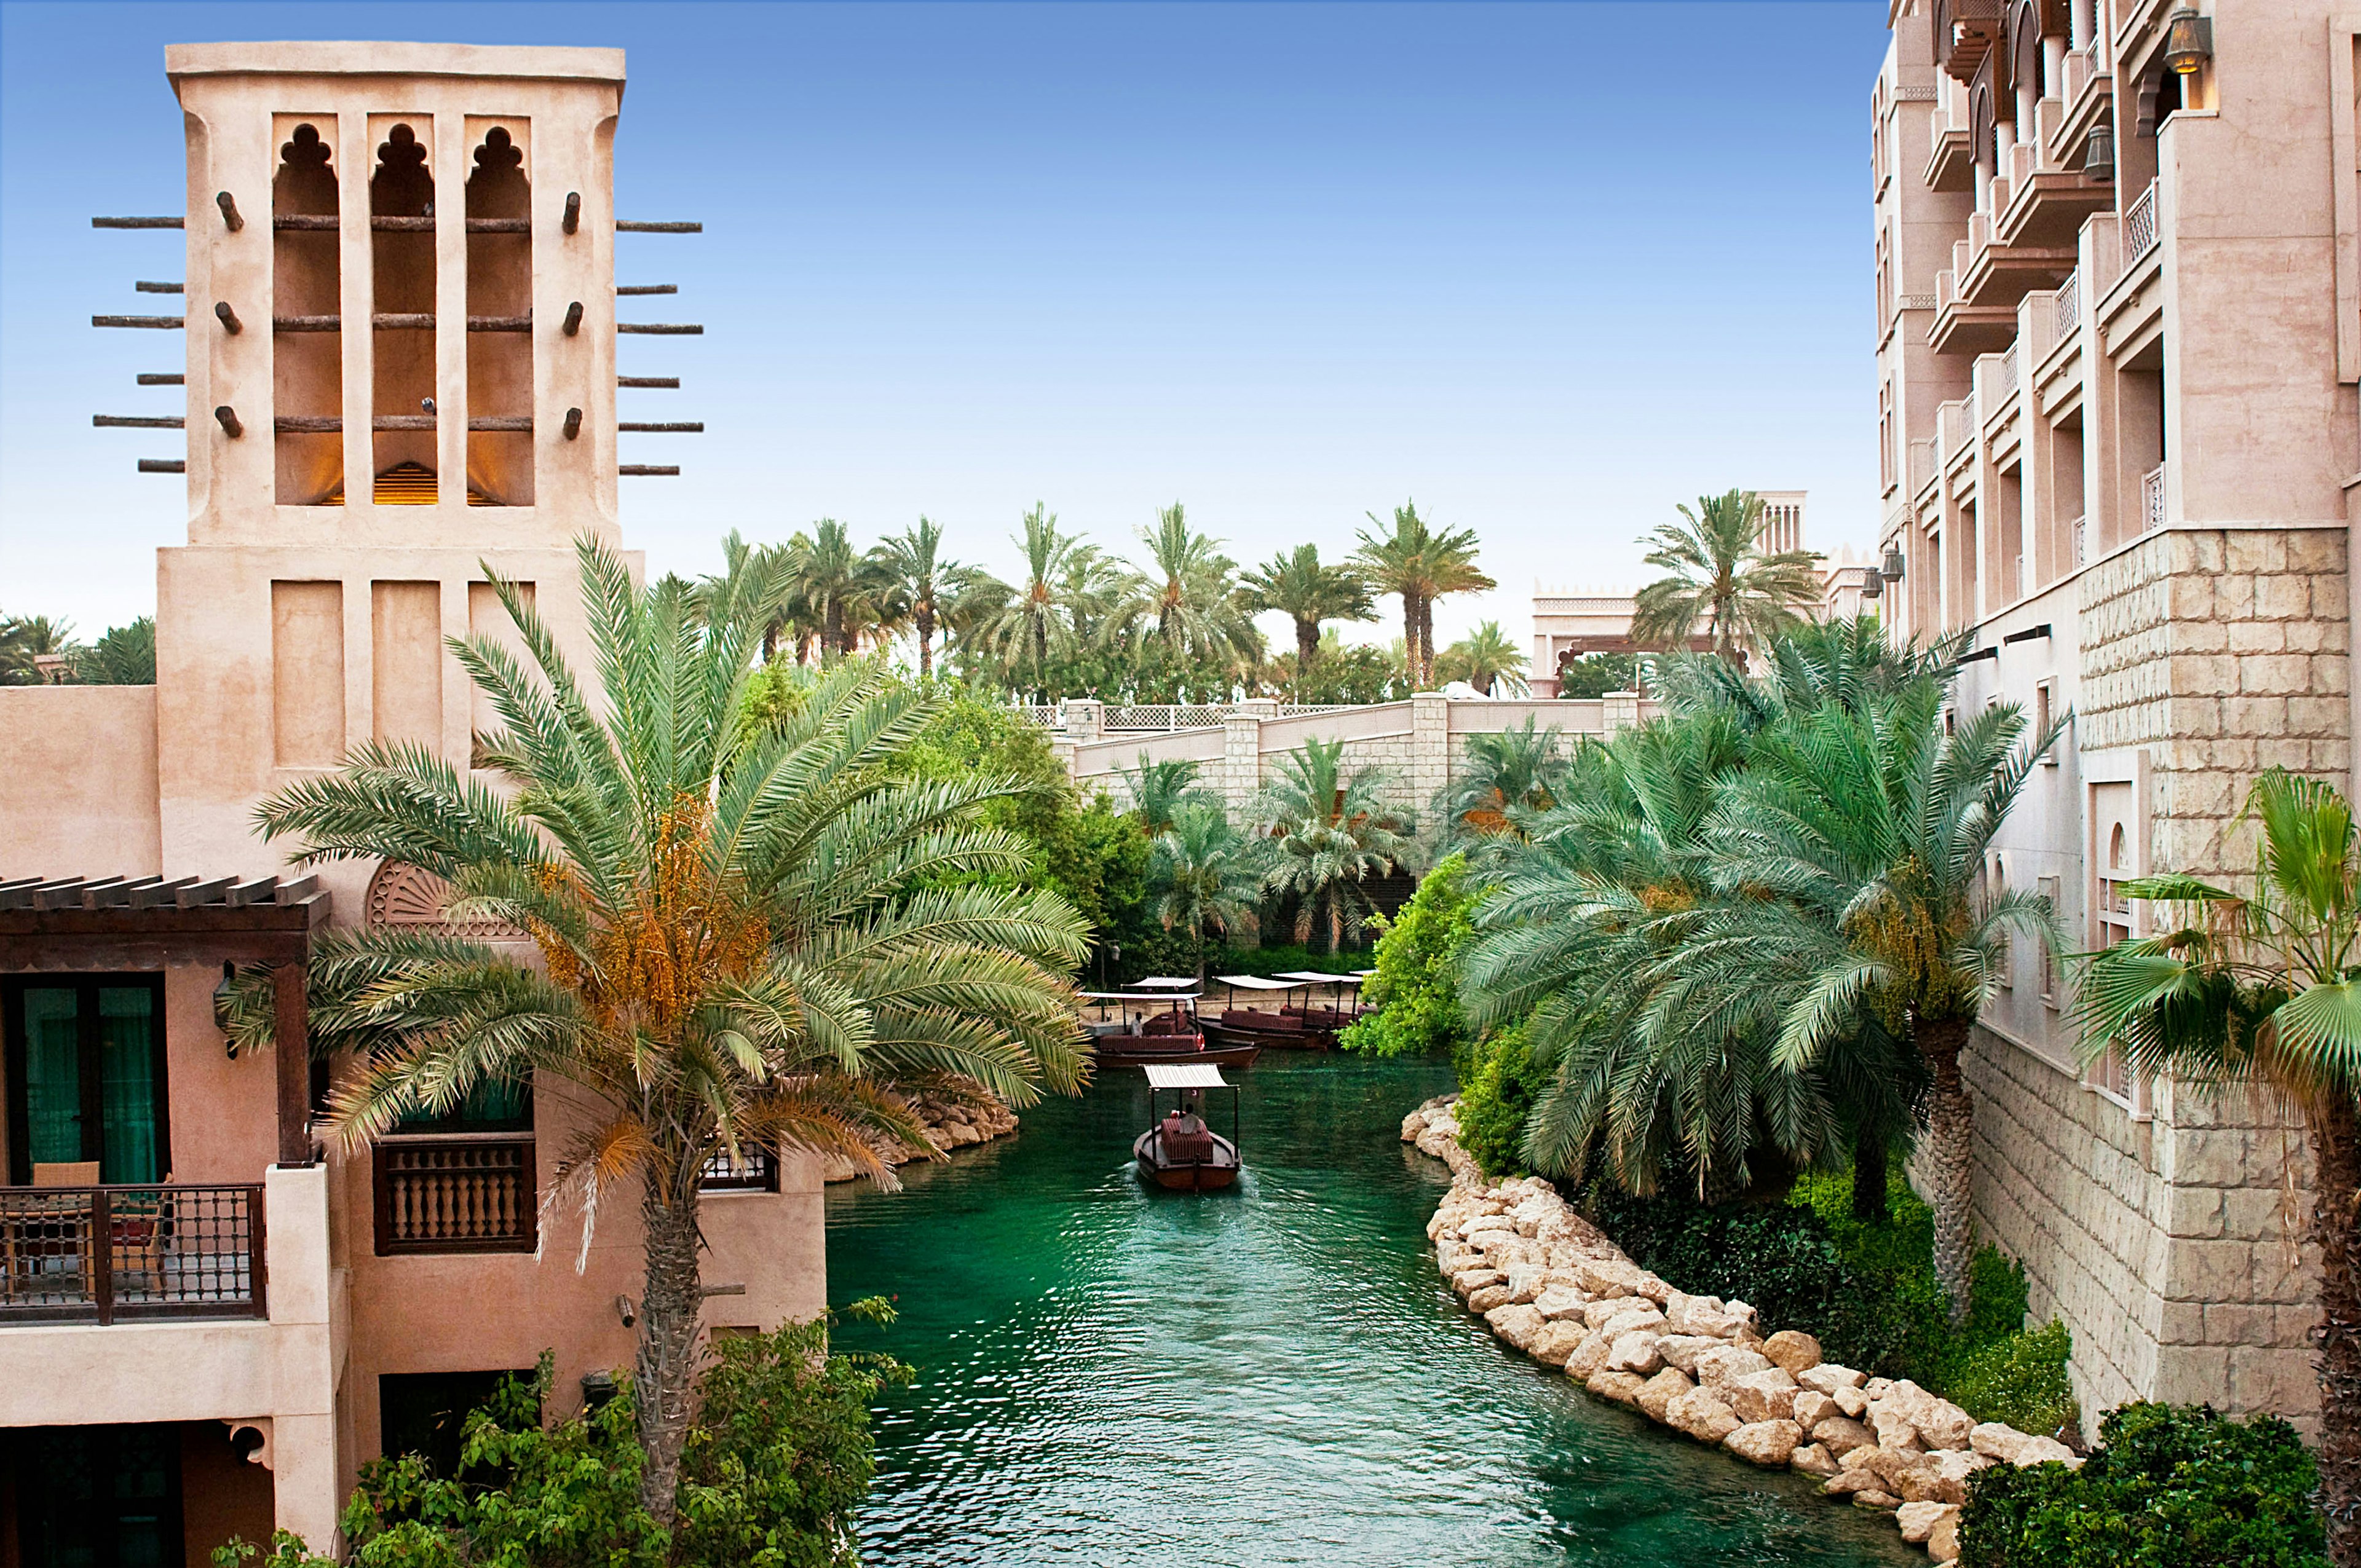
[1205, 1162]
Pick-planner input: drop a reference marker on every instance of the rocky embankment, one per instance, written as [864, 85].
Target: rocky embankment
[949, 1124]
[1549, 1282]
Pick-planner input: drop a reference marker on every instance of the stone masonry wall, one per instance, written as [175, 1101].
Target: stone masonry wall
[2165, 1240]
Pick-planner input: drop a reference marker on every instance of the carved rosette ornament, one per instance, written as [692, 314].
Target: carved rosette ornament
[413, 898]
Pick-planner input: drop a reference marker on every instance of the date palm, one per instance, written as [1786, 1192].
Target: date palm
[1204, 876]
[1328, 832]
[1027, 624]
[1409, 559]
[925, 585]
[1298, 585]
[1486, 660]
[744, 932]
[1852, 853]
[2258, 991]
[1186, 600]
[1721, 576]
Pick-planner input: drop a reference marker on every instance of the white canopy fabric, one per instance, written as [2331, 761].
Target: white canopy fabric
[1193, 1075]
[1259, 983]
[1163, 982]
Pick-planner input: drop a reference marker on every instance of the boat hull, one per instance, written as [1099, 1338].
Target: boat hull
[1209, 1175]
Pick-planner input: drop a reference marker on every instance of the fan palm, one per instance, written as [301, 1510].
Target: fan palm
[1721, 576]
[2259, 992]
[1158, 791]
[1186, 600]
[1329, 832]
[1853, 851]
[1028, 624]
[1486, 659]
[927, 585]
[1310, 594]
[1505, 778]
[744, 932]
[1204, 876]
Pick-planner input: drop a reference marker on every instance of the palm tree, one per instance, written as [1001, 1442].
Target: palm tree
[1721, 576]
[744, 932]
[1205, 876]
[1507, 776]
[1484, 659]
[1298, 587]
[1159, 791]
[24, 638]
[1852, 854]
[1186, 600]
[1409, 559]
[1327, 833]
[926, 584]
[2259, 991]
[1023, 625]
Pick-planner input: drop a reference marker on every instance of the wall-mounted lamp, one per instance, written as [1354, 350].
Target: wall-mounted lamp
[2187, 41]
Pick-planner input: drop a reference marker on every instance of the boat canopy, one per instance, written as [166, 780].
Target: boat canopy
[1191, 1075]
[1259, 983]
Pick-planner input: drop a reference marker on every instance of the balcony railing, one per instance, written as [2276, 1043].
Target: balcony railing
[2139, 225]
[110, 1253]
[456, 1193]
[2152, 500]
[2066, 309]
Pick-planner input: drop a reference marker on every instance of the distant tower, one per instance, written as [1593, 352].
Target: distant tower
[401, 369]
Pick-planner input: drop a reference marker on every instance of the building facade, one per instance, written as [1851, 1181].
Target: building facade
[2118, 288]
[399, 373]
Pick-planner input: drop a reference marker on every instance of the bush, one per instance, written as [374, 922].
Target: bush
[1495, 1098]
[1415, 995]
[2174, 1486]
[778, 1457]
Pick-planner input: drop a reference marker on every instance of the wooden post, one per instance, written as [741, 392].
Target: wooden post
[294, 1064]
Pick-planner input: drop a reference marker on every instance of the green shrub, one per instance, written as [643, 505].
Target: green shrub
[1415, 995]
[777, 1460]
[2173, 1487]
[1495, 1100]
[2017, 1378]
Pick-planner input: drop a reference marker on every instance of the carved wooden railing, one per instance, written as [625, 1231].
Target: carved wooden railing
[115, 1253]
[456, 1193]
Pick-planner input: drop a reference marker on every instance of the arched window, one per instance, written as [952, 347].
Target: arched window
[307, 368]
[499, 296]
[402, 254]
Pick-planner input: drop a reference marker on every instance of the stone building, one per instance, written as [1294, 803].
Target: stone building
[400, 370]
[2118, 303]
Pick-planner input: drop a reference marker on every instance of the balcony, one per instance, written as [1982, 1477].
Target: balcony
[2048, 199]
[456, 1193]
[118, 1254]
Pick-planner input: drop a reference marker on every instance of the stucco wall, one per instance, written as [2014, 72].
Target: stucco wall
[78, 796]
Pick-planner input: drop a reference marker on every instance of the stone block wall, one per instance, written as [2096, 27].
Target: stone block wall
[2166, 1244]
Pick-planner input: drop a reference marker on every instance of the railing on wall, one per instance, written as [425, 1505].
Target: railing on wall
[456, 1193]
[2152, 500]
[104, 1253]
[2139, 225]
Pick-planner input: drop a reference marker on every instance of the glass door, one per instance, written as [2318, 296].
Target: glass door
[85, 1068]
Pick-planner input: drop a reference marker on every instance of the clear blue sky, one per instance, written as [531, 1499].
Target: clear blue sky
[1548, 269]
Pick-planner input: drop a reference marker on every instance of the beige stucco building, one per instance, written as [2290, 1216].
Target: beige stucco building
[400, 371]
[2118, 284]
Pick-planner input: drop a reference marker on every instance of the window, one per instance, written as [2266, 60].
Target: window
[97, 1497]
[85, 1057]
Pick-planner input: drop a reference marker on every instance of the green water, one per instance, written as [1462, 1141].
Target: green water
[1274, 1374]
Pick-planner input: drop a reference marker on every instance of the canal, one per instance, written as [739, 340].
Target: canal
[1276, 1374]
